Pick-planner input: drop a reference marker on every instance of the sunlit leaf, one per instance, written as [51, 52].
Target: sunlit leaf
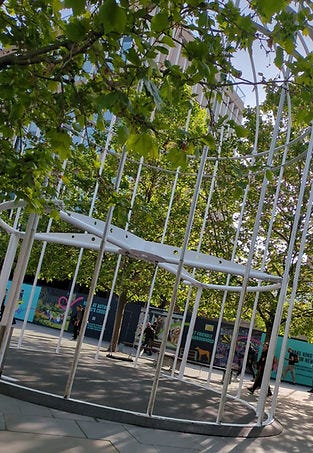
[168, 41]
[60, 143]
[122, 134]
[142, 145]
[268, 8]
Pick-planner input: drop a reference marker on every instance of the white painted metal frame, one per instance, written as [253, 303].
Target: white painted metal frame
[105, 237]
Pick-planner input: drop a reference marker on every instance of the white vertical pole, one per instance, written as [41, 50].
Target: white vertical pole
[267, 241]
[118, 262]
[146, 314]
[291, 300]
[93, 285]
[205, 217]
[177, 281]
[283, 291]
[17, 281]
[81, 251]
[182, 367]
[9, 257]
[243, 206]
[249, 262]
[156, 268]
[190, 332]
[40, 261]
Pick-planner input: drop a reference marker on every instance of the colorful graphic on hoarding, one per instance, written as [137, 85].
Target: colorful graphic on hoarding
[157, 318]
[52, 304]
[202, 339]
[223, 345]
[51, 307]
[22, 302]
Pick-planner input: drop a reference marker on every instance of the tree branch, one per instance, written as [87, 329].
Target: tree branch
[41, 55]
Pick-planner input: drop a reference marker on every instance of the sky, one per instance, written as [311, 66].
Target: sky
[264, 65]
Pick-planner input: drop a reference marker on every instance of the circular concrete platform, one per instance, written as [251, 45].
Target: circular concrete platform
[115, 390]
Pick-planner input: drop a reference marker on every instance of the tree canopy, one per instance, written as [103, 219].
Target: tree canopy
[65, 64]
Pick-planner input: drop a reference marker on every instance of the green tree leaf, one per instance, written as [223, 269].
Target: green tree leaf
[114, 101]
[267, 8]
[168, 41]
[279, 59]
[159, 22]
[122, 134]
[269, 175]
[142, 145]
[76, 30]
[112, 17]
[60, 143]
[154, 92]
[78, 6]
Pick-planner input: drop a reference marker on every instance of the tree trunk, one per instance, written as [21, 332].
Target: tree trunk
[122, 301]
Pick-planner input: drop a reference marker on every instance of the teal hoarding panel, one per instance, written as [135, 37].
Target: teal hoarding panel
[304, 368]
[23, 299]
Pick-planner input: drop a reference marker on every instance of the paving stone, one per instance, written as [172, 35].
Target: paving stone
[47, 425]
[28, 443]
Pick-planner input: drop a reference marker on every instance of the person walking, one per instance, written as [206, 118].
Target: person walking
[260, 371]
[251, 361]
[290, 368]
[240, 356]
[149, 334]
[78, 319]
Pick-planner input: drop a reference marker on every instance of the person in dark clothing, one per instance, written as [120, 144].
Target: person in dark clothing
[251, 361]
[292, 360]
[240, 355]
[157, 326]
[78, 319]
[2, 309]
[149, 334]
[3, 304]
[260, 371]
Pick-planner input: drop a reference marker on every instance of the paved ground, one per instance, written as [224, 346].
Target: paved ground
[27, 427]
